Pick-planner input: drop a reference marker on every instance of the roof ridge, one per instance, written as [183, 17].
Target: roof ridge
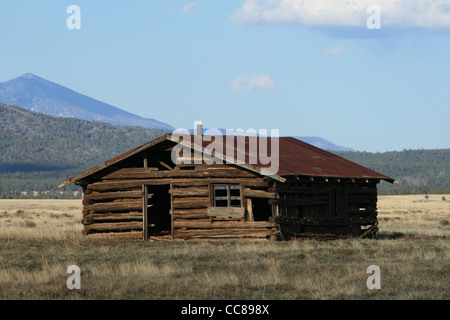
[306, 160]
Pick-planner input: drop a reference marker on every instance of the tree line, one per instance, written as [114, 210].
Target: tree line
[416, 171]
[38, 152]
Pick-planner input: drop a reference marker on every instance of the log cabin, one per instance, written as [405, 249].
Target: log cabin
[146, 194]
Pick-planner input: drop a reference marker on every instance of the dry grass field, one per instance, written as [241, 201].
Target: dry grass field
[39, 239]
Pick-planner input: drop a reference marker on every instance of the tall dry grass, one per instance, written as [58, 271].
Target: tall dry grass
[414, 215]
[34, 259]
[40, 219]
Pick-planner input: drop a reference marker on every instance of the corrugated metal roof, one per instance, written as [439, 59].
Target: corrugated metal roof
[300, 158]
[296, 158]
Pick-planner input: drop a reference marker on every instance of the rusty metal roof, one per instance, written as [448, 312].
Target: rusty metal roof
[296, 158]
[302, 159]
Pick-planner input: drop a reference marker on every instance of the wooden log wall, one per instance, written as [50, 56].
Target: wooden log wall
[113, 202]
[312, 198]
[305, 208]
[112, 213]
[191, 201]
[362, 205]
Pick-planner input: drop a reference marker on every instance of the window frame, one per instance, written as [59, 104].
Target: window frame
[228, 196]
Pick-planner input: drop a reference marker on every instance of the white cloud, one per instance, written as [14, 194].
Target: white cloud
[334, 51]
[190, 8]
[253, 82]
[346, 13]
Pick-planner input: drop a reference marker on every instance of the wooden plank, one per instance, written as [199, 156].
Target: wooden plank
[251, 182]
[98, 196]
[124, 184]
[118, 206]
[198, 233]
[143, 173]
[153, 158]
[226, 212]
[189, 216]
[131, 171]
[189, 213]
[218, 166]
[194, 182]
[195, 224]
[250, 193]
[190, 191]
[192, 202]
[114, 226]
[93, 218]
[371, 231]
[223, 239]
[114, 235]
[283, 220]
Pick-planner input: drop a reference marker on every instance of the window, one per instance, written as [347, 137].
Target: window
[227, 195]
[235, 196]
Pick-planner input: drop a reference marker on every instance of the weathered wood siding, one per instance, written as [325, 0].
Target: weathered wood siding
[362, 210]
[113, 202]
[300, 207]
[326, 208]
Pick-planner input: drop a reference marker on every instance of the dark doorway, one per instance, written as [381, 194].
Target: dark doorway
[157, 218]
[337, 200]
[261, 209]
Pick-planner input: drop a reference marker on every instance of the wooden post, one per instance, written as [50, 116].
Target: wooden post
[145, 212]
[145, 160]
[161, 162]
[249, 209]
[171, 211]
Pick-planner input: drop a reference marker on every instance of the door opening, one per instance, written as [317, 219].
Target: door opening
[157, 207]
[262, 211]
[337, 201]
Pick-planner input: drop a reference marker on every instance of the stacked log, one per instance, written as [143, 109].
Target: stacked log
[361, 205]
[112, 213]
[306, 206]
[300, 199]
[191, 199]
[113, 202]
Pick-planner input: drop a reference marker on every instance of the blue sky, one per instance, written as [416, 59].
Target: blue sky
[309, 68]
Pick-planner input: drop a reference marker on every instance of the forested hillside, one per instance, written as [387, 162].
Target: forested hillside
[417, 171]
[38, 152]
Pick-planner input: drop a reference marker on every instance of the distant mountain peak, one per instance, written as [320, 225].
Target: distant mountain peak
[323, 144]
[32, 92]
[28, 76]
